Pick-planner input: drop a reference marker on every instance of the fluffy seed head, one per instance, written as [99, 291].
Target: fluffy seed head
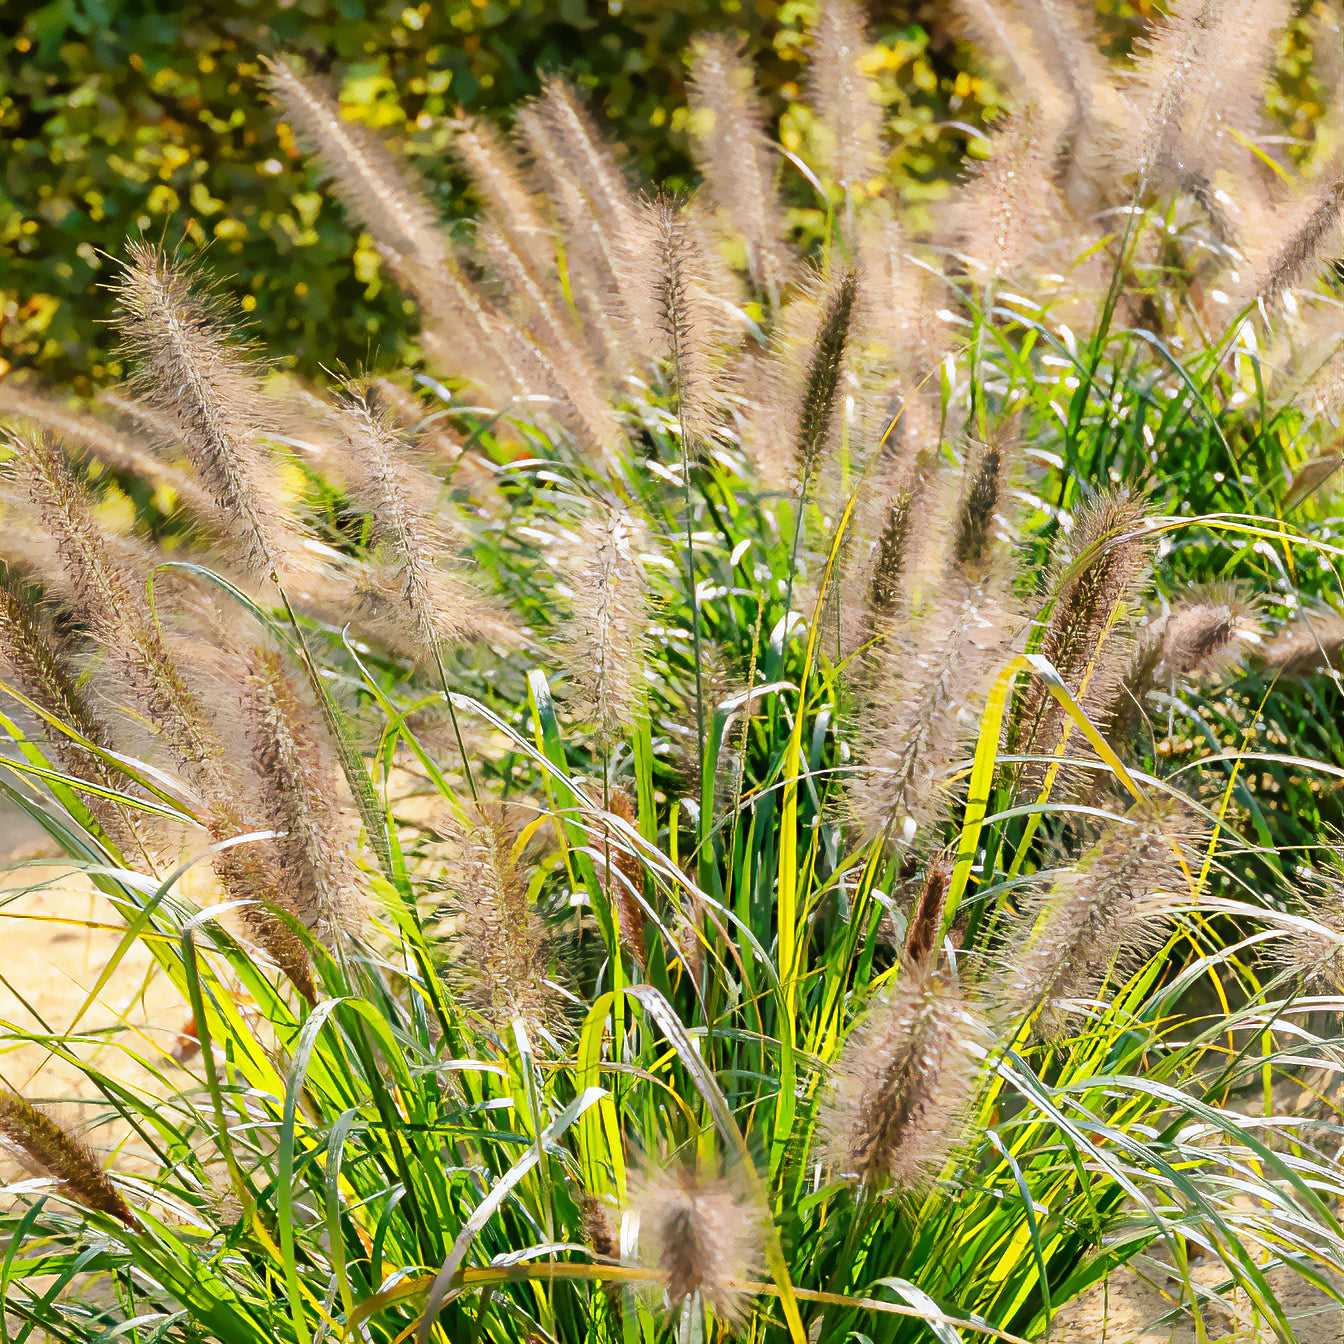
[1206, 633]
[1089, 636]
[705, 1235]
[500, 951]
[898, 1096]
[1097, 919]
[736, 155]
[843, 96]
[296, 784]
[821, 389]
[187, 368]
[1312, 643]
[39, 1140]
[1314, 949]
[603, 649]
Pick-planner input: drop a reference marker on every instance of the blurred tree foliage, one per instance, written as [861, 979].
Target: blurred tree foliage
[126, 116]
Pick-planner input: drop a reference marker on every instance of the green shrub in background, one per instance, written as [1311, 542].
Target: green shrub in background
[121, 117]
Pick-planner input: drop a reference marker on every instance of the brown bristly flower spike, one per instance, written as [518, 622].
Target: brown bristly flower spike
[705, 1235]
[372, 185]
[1312, 643]
[104, 442]
[926, 918]
[629, 911]
[736, 155]
[1307, 231]
[187, 367]
[1096, 919]
[821, 390]
[886, 589]
[40, 1141]
[973, 539]
[1088, 638]
[1315, 951]
[1207, 632]
[604, 646]
[897, 1100]
[297, 799]
[36, 658]
[843, 95]
[403, 504]
[676, 321]
[112, 602]
[501, 948]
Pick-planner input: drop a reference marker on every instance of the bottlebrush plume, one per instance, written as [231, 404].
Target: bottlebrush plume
[897, 1099]
[844, 97]
[627, 876]
[1314, 950]
[1094, 921]
[187, 367]
[372, 185]
[403, 504]
[500, 950]
[1206, 633]
[32, 654]
[926, 916]
[676, 322]
[736, 156]
[1297, 239]
[924, 702]
[295, 780]
[510, 204]
[110, 599]
[1010, 202]
[39, 1140]
[104, 442]
[1312, 643]
[1172, 75]
[1089, 637]
[705, 1235]
[603, 651]
[820, 393]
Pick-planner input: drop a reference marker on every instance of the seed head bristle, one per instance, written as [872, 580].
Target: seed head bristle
[930, 675]
[372, 185]
[705, 1235]
[897, 1100]
[295, 779]
[403, 504]
[982, 493]
[31, 652]
[736, 156]
[630, 913]
[926, 918]
[676, 321]
[1010, 201]
[38, 1139]
[1096, 919]
[1089, 637]
[501, 948]
[1299, 236]
[1170, 78]
[110, 600]
[604, 647]
[844, 96]
[104, 442]
[1312, 643]
[1313, 946]
[187, 368]
[1206, 633]
[497, 175]
[821, 388]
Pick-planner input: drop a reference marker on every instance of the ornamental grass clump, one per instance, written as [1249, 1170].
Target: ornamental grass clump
[833, 692]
